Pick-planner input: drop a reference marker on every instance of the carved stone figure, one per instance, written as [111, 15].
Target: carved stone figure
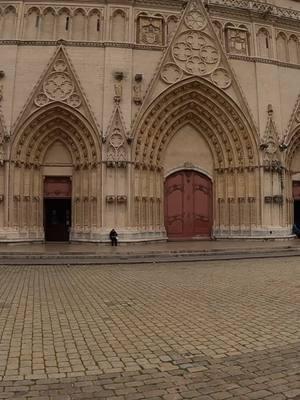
[118, 91]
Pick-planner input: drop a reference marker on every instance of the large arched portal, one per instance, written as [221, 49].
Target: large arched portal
[54, 156]
[226, 148]
[293, 178]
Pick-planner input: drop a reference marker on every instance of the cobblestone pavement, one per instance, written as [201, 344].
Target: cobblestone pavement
[207, 331]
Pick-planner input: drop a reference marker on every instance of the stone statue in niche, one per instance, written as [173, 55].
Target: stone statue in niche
[118, 90]
[118, 87]
[150, 30]
[137, 89]
[237, 41]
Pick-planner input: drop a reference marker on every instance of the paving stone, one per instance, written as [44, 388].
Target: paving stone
[207, 331]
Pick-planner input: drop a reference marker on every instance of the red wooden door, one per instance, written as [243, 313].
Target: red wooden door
[188, 205]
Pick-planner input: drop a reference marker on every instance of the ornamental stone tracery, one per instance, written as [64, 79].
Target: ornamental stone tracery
[58, 86]
[195, 53]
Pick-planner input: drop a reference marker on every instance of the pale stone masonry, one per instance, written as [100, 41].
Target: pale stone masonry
[158, 118]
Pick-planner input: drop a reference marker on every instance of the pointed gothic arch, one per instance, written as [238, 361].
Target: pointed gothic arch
[230, 138]
[235, 143]
[293, 148]
[53, 123]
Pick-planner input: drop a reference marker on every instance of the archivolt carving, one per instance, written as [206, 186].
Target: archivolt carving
[56, 122]
[212, 113]
[292, 147]
[292, 136]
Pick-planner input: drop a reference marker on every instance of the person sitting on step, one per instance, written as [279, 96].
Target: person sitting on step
[113, 237]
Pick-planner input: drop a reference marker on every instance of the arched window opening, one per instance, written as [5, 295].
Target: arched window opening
[293, 49]
[47, 24]
[281, 44]
[264, 46]
[118, 26]
[94, 26]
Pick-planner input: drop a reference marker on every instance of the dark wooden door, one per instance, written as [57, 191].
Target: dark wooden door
[188, 205]
[296, 195]
[57, 219]
[57, 208]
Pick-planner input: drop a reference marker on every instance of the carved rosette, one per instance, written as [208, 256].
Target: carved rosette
[221, 78]
[74, 100]
[171, 73]
[41, 100]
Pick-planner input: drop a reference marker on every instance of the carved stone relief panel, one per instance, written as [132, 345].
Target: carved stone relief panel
[237, 41]
[150, 30]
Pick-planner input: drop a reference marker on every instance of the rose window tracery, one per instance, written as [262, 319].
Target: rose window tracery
[195, 53]
[58, 86]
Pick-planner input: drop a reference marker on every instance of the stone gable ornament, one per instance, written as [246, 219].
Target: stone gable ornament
[195, 54]
[58, 84]
[116, 140]
[195, 50]
[270, 142]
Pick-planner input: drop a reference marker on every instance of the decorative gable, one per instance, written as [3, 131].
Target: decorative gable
[196, 50]
[270, 141]
[59, 83]
[116, 140]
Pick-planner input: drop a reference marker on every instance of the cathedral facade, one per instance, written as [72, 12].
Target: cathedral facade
[163, 119]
